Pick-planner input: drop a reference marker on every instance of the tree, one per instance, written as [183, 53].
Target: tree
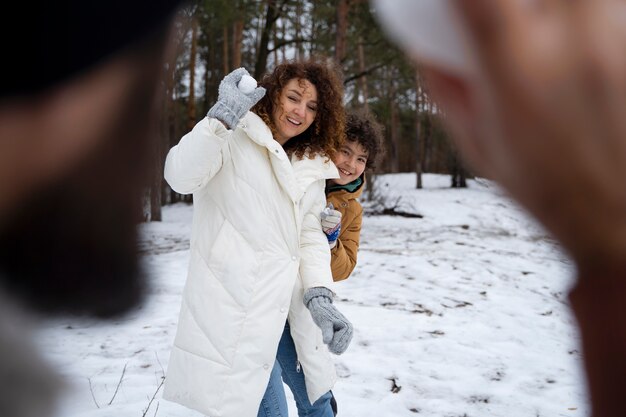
[419, 100]
[191, 102]
[272, 13]
[220, 35]
[343, 7]
[238, 26]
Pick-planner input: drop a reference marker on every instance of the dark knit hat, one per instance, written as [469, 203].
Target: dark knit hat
[52, 41]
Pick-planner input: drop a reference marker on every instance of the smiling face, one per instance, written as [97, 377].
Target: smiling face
[350, 161]
[296, 109]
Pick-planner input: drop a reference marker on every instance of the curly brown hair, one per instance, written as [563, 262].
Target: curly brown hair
[327, 132]
[363, 128]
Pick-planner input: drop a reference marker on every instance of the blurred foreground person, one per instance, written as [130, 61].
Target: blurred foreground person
[541, 108]
[76, 112]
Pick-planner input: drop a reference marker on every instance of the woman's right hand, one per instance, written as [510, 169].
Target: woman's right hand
[232, 103]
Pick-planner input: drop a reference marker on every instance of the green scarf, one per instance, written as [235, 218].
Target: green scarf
[350, 187]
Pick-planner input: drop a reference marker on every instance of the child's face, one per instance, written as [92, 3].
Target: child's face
[350, 160]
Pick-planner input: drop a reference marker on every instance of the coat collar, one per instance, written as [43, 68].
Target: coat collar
[316, 168]
[307, 170]
[260, 133]
[294, 175]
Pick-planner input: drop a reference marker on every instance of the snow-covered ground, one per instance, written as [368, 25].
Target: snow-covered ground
[461, 312]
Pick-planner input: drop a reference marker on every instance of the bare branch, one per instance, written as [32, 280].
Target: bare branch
[92, 394]
[159, 362]
[153, 397]
[118, 384]
[363, 73]
[286, 42]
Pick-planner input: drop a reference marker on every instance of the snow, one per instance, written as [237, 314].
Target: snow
[247, 84]
[460, 312]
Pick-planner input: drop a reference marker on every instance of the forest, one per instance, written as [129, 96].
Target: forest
[214, 37]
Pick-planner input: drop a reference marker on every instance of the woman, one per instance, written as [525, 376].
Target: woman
[257, 248]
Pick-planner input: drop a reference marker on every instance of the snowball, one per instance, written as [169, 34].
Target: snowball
[247, 84]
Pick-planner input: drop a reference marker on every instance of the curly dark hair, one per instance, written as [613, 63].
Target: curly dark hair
[327, 132]
[363, 128]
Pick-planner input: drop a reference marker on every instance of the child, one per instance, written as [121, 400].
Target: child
[341, 220]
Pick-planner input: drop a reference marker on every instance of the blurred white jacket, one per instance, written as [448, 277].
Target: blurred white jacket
[256, 245]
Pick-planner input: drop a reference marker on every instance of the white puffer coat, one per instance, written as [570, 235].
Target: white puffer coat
[256, 245]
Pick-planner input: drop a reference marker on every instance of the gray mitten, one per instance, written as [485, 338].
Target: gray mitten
[336, 329]
[233, 103]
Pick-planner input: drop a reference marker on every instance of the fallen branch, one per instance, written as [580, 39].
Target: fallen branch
[153, 397]
[92, 394]
[118, 384]
[159, 362]
[392, 211]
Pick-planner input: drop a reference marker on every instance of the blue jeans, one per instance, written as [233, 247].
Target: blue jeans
[287, 368]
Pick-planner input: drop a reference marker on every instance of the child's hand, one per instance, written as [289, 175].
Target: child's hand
[331, 224]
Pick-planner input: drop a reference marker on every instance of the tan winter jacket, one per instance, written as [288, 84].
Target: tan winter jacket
[344, 253]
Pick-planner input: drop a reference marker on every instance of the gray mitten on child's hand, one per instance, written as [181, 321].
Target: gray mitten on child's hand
[336, 329]
[232, 103]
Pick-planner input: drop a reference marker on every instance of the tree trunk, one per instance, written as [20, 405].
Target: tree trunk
[419, 95]
[207, 87]
[225, 60]
[283, 49]
[160, 193]
[457, 171]
[157, 177]
[312, 43]
[342, 28]
[160, 130]
[297, 30]
[427, 141]
[275, 50]
[170, 135]
[370, 184]
[210, 76]
[238, 26]
[271, 15]
[393, 131]
[363, 80]
[191, 103]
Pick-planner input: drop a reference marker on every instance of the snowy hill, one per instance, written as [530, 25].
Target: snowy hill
[461, 311]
